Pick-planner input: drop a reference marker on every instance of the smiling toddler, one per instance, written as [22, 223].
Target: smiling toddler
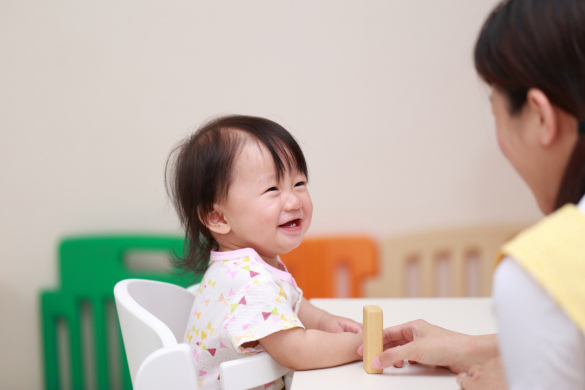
[239, 185]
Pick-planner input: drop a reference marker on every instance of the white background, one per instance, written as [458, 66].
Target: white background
[382, 96]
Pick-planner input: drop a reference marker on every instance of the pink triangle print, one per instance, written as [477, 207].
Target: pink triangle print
[252, 274]
[243, 301]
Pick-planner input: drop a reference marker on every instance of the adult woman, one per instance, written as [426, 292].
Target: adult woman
[532, 55]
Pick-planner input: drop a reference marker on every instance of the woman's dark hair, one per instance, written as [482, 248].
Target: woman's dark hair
[199, 174]
[539, 44]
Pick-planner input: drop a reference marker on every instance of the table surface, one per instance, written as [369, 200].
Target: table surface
[466, 315]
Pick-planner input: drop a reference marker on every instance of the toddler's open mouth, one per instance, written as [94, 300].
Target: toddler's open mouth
[291, 224]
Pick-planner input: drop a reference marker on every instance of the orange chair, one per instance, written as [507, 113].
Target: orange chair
[320, 264]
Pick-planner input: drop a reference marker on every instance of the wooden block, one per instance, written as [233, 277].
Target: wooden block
[373, 342]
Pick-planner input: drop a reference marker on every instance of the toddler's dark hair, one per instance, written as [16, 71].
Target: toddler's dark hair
[199, 173]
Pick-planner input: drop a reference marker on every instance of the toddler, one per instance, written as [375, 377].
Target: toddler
[239, 185]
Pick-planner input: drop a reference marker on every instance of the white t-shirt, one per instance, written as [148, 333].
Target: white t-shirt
[241, 299]
[540, 346]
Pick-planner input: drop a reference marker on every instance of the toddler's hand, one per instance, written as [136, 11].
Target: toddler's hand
[336, 324]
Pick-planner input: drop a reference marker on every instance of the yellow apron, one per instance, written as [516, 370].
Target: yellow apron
[553, 252]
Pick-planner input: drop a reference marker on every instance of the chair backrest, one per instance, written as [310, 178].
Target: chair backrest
[152, 315]
[81, 336]
[327, 267]
[450, 262]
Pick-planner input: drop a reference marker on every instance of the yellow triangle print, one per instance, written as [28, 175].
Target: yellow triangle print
[278, 300]
[247, 268]
[203, 335]
[233, 307]
[282, 293]
[274, 311]
[245, 335]
[211, 330]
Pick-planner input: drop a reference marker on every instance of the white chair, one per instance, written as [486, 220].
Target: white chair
[153, 316]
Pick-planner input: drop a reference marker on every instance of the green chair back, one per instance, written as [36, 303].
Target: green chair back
[83, 347]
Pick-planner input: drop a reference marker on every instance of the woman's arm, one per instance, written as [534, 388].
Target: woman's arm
[300, 349]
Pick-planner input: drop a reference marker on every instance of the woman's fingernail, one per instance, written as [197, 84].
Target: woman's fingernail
[376, 364]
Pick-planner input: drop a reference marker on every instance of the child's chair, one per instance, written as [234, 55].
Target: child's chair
[450, 262]
[82, 342]
[328, 267]
[153, 316]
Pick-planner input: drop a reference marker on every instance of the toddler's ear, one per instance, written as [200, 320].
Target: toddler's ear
[216, 222]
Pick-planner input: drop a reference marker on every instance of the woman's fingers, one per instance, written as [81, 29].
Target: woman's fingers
[474, 369]
[396, 356]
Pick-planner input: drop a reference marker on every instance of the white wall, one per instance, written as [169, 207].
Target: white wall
[381, 94]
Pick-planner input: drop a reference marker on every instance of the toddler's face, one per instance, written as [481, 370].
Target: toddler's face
[263, 213]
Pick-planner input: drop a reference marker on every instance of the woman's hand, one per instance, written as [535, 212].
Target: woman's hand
[419, 341]
[489, 376]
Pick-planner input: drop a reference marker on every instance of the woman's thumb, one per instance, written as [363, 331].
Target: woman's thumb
[395, 355]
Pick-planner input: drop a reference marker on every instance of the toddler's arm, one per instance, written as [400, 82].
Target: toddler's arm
[327, 341]
[300, 349]
[314, 318]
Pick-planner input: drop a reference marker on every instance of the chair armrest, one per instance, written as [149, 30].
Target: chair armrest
[192, 289]
[167, 368]
[250, 371]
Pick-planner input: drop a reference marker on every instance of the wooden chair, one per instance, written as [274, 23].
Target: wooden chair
[451, 262]
[333, 266]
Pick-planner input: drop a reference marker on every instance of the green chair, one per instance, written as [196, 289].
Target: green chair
[83, 346]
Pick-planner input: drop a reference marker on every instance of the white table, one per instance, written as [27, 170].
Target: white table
[466, 315]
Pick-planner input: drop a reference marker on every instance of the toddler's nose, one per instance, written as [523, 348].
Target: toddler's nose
[293, 202]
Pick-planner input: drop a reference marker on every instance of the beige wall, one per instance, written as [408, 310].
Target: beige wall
[381, 94]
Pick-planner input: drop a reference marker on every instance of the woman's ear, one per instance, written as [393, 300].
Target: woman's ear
[216, 221]
[545, 114]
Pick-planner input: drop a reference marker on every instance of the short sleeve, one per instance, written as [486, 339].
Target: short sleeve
[540, 346]
[258, 309]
